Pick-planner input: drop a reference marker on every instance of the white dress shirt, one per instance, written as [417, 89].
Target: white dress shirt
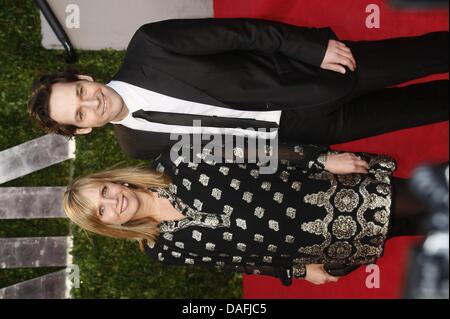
[137, 98]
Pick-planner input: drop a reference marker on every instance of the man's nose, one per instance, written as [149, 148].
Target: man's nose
[92, 103]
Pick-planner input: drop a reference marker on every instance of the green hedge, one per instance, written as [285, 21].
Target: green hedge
[109, 268]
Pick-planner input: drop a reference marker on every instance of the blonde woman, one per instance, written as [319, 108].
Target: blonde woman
[316, 218]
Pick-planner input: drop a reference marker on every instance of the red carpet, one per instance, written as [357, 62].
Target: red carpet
[410, 147]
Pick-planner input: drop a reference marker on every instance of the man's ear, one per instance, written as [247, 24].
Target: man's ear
[82, 131]
[85, 77]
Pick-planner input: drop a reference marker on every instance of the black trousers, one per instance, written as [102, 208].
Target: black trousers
[373, 108]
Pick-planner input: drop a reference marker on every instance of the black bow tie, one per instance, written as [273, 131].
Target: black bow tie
[206, 121]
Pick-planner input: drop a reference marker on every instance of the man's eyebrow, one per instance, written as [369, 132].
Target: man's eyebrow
[77, 94]
[77, 89]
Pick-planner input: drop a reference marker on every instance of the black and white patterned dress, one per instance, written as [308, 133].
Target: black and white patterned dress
[240, 220]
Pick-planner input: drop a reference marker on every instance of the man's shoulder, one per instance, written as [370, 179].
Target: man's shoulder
[141, 144]
[155, 29]
[168, 24]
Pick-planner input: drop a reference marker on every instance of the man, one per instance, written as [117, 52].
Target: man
[236, 74]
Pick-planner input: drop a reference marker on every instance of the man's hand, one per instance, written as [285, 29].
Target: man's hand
[316, 274]
[338, 56]
[346, 163]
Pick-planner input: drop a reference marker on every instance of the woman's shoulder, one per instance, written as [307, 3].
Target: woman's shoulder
[171, 161]
[152, 248]
[165, 162]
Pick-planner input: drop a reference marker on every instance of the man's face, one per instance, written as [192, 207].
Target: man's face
[85, 104]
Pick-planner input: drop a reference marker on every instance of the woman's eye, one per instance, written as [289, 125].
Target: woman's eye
[104, 191]
[101, 211]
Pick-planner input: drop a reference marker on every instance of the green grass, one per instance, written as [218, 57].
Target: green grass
[109, 268]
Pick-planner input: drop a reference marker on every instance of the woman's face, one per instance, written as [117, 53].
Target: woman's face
[115, 204]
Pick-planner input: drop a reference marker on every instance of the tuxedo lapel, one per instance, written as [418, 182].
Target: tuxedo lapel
[163, 83]
[160, 82]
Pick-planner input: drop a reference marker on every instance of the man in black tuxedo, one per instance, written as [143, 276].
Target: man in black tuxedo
[233, 74]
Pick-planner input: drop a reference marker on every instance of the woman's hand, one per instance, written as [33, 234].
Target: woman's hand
[346, 163]
[316, 274]
[337, 56]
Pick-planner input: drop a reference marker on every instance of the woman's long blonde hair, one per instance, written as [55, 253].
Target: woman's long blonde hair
[83, 213]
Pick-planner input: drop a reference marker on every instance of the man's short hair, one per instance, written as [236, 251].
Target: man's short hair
[38, 105]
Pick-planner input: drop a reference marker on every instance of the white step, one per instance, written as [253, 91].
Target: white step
[34, 155]
[31, 202]
[111, 23]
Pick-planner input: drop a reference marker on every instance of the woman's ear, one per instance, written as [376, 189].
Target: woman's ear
[85, 77]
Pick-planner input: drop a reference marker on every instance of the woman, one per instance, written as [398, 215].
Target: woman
[318, 216]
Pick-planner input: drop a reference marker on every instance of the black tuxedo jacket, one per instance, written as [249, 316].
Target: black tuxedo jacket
[242, 64]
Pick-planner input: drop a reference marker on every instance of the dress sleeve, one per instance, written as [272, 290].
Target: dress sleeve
[174, 257]
[306, 157]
